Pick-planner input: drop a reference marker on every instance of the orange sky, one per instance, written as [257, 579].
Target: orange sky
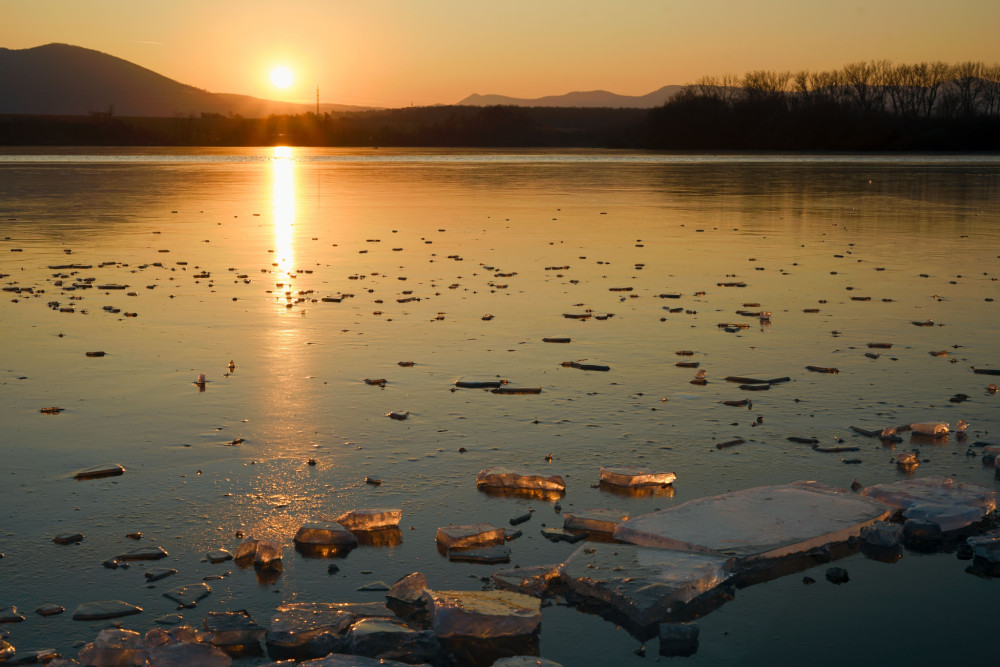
[401, 52]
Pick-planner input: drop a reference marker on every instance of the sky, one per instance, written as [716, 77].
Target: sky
[395, 53]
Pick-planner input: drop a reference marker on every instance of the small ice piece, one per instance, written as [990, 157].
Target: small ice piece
[942, 500]
[10, 615]
[678, 639]
[986, 546]
[157, 573]
[631, 476]
[758, 523]
[6, 650]
[470, 536]
[484, 614]
[599, 520]
[887, 432]
[144, 553]
[409, 588]
[935, 430]
[961, 426]
[643, 584]
[68, 538]
[189, 595]
[268, 557]
[232, 628]
[218, 556]
[327, 533]
[907, 460]
[245, 550]
[560, 535]
[98, 611]
[882, 534]
[498, 553]
[94, 472]
[49, 609]
[370, 519]
[114, 646]
[398, 414]
[516, 478]
[294, 625]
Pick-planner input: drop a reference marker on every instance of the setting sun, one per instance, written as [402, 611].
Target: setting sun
[282, 77]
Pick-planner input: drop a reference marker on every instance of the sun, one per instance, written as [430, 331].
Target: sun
[282, 77]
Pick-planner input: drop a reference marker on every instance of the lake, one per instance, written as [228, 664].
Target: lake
[462, 262]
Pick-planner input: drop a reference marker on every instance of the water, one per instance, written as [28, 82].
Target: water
[802, 232]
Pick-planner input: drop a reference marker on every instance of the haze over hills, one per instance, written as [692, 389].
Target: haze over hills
[591, 99]
[65, 80]
[59, 79]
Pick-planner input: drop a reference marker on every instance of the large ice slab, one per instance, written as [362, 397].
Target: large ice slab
[942, 500]
[758, 523]
[370, 519]
[517, 478]
[483, 614]
[644, 584]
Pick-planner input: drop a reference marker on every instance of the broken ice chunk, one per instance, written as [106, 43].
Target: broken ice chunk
[935, 430]
[391, 639]
[645, 585]
[525, 661]
[268, 557]
[515, 478]
[599, 520]
[114, 646]
[757, 523]
[484, 614]
[534, 581]
[322, 538]
[182, 646]
[942, 500]
[295, 625]
[467, 537]
[370, 519]
[635, 476]
[883, 534]
[409, 588]
[232, 628]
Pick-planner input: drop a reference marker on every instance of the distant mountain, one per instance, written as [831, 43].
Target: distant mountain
[59, 79]
[593, 98]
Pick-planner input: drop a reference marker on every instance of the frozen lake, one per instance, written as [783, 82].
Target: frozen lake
[462, 262]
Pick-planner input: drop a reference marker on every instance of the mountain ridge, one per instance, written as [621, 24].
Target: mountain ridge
[586, 99]
[65, 80]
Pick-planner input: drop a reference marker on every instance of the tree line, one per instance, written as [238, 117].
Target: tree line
[873, 105]
[864, 106]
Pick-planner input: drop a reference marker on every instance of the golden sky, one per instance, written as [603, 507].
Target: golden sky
[402, 52]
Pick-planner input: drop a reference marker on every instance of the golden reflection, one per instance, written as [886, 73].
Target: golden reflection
[283, 170]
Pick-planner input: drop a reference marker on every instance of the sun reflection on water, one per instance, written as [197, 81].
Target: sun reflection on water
[283, 167]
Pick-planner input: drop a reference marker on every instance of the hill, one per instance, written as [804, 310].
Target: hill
[60, 79]
[588, 99]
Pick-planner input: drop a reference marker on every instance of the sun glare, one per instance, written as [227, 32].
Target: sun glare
[282, 77]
